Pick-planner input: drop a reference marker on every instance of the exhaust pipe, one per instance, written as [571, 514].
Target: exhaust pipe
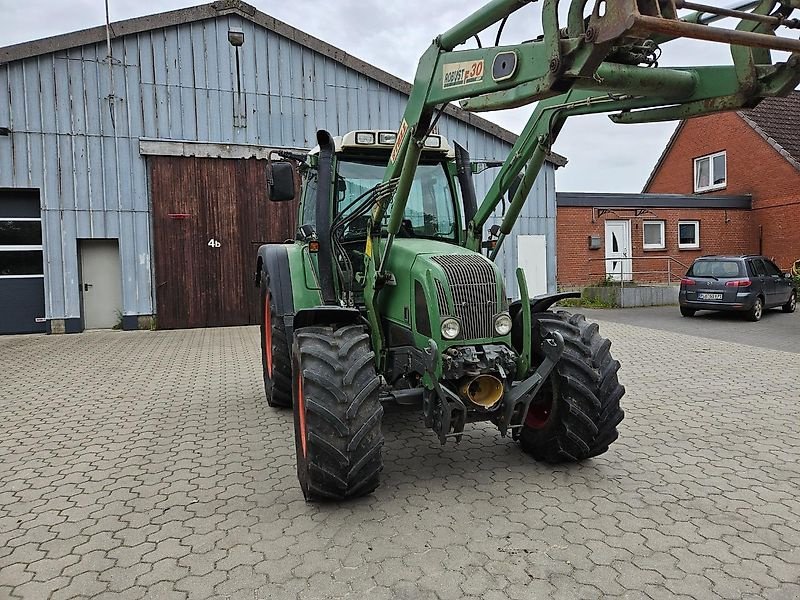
[485, 391]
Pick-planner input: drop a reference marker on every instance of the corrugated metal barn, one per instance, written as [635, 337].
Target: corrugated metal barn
[131, 175]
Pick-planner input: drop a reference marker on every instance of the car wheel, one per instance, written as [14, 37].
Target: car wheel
[687, 312]
[754, 314]
[791, 305]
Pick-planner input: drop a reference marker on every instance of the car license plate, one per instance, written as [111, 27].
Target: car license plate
[709, 296]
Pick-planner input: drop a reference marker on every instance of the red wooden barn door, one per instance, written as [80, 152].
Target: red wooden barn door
[209, 217]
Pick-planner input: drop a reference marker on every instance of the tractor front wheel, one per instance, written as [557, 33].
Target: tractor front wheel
[275, 354]
[575, 414]
[337, 412]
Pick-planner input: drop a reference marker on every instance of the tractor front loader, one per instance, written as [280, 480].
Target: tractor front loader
[390, 293]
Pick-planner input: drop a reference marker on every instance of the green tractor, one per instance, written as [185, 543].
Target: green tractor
[390, 293]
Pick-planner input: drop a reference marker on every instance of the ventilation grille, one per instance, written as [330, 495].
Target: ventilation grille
[441, 297]
[473, 284]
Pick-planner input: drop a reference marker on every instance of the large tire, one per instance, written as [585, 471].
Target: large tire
[575, 414]
[687, 312]
[276, 359]
[337, 412]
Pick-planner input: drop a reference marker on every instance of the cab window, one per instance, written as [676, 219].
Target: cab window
[430, 211]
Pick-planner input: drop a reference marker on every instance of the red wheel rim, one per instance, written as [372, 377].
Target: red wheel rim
[268, 334]
[539, 414]
[300, 407]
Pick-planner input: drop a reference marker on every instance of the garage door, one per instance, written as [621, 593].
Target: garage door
[209, 217]
[21, 265]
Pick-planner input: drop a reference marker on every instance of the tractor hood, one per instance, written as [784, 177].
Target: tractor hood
[445, 280]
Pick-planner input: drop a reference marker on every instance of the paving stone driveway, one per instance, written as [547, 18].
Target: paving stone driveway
[146, 465]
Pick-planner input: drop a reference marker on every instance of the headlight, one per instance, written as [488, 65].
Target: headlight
[365, 137]
[502, 324]
[450, 329]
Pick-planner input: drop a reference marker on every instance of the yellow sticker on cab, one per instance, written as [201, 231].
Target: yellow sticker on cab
[368, 249]
[462, 73]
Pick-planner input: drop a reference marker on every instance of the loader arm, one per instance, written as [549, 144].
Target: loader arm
[604, 62]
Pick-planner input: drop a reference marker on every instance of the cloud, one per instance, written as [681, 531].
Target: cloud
[392, 36]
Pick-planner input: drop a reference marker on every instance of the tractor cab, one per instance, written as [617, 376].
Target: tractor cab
[337, 213]
[360, 159]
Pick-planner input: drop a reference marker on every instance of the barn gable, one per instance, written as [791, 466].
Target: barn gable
[79, 122]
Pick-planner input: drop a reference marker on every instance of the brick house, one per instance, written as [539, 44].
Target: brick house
[725, 183]
[645, 237]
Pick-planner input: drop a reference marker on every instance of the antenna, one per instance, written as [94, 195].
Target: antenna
[108, 34]
[110, 61]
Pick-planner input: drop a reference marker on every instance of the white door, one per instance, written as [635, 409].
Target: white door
[532, 257]
[101, 283]
[618, 250]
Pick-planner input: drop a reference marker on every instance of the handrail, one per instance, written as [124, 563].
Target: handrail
[667, 271]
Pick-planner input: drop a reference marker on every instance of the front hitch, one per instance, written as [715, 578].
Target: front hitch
[447, 418]
[520, 396]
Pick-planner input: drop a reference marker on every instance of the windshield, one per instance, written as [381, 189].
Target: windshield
[429, 213]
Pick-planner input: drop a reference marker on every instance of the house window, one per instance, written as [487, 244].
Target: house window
[710, 172]
[21, 248]
[688, 235]
[653, 235]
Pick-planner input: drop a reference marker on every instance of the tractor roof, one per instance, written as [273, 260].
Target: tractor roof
[382, 139]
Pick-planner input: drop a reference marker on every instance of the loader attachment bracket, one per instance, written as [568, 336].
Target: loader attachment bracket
[444, 411]
[522, 394]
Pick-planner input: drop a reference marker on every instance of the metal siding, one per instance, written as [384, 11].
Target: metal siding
[6, 176]
[179, 83]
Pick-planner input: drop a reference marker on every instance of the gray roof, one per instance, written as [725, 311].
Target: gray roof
[223, 7]
[595, 200]
[777, 120]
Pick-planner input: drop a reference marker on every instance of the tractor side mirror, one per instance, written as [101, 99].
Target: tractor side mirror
[282, 182]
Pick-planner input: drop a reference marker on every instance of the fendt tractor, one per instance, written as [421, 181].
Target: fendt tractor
[389, 291]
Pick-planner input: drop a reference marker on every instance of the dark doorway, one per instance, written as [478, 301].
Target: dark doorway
[209, 217]
[21, 262]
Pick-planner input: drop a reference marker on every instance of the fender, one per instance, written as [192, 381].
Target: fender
[327, 315]
[521, 314]
[543, 302]
[273, 261]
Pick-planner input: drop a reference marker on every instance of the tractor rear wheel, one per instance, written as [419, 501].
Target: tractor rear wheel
[275, 353]
[337, 412]
[575, 414]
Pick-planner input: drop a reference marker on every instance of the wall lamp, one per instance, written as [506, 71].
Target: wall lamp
[235, 36]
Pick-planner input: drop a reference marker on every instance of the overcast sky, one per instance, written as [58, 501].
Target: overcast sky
[602, 156]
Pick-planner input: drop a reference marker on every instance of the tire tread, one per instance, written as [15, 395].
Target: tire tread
[343, 412]
[588, 399]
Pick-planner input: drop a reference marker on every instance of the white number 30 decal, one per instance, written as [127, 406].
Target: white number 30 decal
[214, 243]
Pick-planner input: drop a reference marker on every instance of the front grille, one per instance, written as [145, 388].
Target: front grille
[441, 298]
[473, 284]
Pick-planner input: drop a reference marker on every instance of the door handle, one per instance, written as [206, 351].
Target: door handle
[86, 287]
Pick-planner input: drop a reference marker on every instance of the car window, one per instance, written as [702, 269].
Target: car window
[758, 267]
[717, 268]
[772, 268]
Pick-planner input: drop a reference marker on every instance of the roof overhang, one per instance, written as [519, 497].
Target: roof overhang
[219, 8]
[633, 201]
